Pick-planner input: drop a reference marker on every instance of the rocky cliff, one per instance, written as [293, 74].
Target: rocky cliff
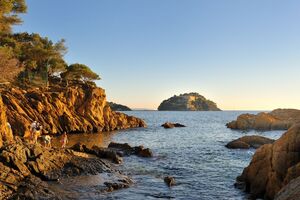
[188, 102]
[118, 107]
[279, 119]
[74, 109]
[273, 166]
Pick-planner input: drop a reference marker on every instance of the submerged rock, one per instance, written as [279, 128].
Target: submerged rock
[188, 102]
[247, 142]
[279, 119]
[170, 181]
[273, 165]
[172, 125]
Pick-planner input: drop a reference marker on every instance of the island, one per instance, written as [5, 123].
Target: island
[118, 107]
[188, 102]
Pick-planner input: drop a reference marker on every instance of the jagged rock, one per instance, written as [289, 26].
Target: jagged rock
[5, 132]
[172, 125]
[273, 165]
[99, 152]
[118, 107]
[77, 109]
[279, 119]
[188, 102]
[247, 142]
[24, 168]
[32, 188]
[170, 181]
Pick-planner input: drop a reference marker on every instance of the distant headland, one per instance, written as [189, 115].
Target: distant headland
[188, 102]
[118, 107]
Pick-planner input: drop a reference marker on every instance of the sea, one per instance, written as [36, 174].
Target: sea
[195, 156]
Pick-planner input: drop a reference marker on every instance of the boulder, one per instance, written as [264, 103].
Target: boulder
[247, 142]
[273, 166]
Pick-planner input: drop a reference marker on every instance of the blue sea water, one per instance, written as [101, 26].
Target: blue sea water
[195, 155]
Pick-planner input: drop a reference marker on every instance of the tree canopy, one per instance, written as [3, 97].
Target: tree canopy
[9, 66]
[41, 59]
[79, 72]
[36, 52]
[9, 10]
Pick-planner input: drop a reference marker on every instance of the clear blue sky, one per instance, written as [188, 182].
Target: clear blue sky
[242, 54]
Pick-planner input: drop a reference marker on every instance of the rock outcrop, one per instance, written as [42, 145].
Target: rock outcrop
[188, 102]
[273, 166]
[118, 107]
[74, 109]
[27, 168]
[5, 132]
[279, 119]
[246, 142]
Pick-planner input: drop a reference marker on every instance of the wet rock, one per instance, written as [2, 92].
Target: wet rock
[25, 168]
[273, 165]
[172, 125]
[279, 119]
[33, 188]
[126, 150]
[247, 142]
[170, 181]
[144, 152]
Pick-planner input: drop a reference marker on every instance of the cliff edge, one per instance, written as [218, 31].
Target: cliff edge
[78, 108]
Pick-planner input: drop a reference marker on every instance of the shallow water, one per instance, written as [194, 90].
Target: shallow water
[195, 156]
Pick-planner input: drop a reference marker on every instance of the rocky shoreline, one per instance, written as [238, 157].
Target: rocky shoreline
[26, 169]
[279, 119]
[273, 172]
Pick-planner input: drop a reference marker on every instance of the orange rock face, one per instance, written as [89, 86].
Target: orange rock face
[5, 132]
[273, 165]
[75, 109]
[279, 119]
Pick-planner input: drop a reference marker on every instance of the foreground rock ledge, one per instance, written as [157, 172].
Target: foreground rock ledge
[25, 168]
[79, 108]
[273, 166]
[279, 119]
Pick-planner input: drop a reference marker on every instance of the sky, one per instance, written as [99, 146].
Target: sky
[242, 54]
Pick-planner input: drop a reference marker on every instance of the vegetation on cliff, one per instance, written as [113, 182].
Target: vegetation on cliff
[188, 102]
[118, 107]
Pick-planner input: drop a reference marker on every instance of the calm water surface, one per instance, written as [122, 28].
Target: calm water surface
[195, 156]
